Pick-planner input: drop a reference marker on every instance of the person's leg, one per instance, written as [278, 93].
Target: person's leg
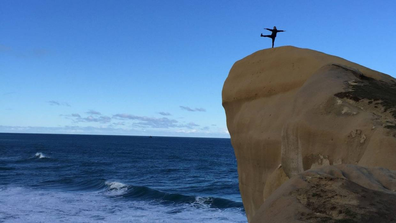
[273, 41]
[269, 36]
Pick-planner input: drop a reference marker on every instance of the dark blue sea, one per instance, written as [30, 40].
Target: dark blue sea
[84, 178]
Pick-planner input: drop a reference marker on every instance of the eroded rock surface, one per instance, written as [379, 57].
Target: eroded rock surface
[290, 110]
[333, 194]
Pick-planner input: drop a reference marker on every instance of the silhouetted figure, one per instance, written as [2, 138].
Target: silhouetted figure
[273, 34]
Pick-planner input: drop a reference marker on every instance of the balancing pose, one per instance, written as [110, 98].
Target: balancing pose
[273, 34]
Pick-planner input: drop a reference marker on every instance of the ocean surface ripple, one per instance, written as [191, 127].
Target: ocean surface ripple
[75, 178]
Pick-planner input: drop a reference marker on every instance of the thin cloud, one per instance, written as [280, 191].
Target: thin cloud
[58, 103]
[67, 129]
[164, 113]
[100, 119]
[77, 118]
[193, 109]
[192, 124]
[189, 125]
[76, 115]
[136, 121]
[92, 112]
[111, 130]
[53, 103]
[147, 121]
[155, 122]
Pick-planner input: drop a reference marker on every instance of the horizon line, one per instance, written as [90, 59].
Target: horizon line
[92, 134]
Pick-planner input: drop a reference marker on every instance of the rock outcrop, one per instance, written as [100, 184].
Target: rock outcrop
[333, 194]
[290, 110]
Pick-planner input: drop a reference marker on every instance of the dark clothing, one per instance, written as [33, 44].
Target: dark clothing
[273, 34]
[274, 31]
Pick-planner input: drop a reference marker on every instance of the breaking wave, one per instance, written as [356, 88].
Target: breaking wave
[28, 205]
[40, 155]
[120, 190]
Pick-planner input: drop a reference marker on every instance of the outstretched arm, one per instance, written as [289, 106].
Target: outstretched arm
[281, 31]
[269, 29]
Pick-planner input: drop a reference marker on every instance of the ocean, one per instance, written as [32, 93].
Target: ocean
[87, 178]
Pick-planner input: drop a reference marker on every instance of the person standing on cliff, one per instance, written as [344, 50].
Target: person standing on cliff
[273, 34]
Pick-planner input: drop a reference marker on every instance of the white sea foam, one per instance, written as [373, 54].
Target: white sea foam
[28, 205]
[115, 185]
[116, 188]
[201, 202]
[40, 155]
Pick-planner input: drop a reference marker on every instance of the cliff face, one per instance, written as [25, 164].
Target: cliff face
[289, 110]
[341, 193]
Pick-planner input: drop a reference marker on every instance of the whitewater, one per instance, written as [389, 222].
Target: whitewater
[72, 178]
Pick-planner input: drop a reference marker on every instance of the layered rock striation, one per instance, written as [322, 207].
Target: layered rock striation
[333, 194]
[290, 110]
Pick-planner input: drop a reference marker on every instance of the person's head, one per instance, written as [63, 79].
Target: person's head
[274, 27]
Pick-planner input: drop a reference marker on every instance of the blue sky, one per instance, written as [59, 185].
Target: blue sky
[157, 67]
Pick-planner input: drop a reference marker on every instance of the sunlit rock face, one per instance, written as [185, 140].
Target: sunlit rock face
[290, 110]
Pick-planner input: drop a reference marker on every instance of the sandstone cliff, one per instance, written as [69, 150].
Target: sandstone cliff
[333, 194]
[289, 110]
